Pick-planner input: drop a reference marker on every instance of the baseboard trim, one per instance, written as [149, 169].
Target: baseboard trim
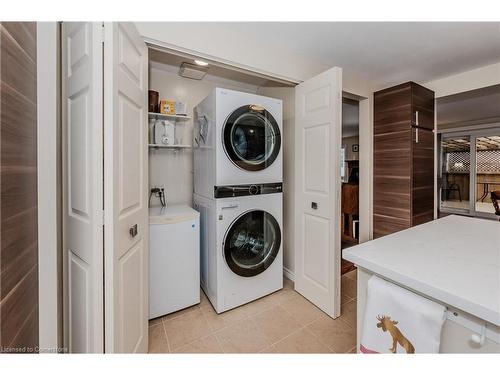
[288, 274]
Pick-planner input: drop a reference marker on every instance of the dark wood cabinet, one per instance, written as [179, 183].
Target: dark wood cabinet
[403, 158]
[18, 188]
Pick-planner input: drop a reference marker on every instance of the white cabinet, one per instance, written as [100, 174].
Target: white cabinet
[174, 259]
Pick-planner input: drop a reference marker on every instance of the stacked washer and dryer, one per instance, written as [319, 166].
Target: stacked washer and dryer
[238, 192]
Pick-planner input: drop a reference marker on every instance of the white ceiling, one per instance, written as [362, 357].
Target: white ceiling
[172, 62]
[475, 106]
[384, 53]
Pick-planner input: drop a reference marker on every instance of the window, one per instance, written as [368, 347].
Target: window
[469, 172]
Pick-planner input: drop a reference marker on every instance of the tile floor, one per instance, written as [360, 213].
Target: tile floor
[283, 322]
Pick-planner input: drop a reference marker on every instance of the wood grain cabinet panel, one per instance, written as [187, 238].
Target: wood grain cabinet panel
[18, 188]
[403, 158]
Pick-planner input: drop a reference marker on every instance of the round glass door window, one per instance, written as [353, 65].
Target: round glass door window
[252, 243]
[252, 138]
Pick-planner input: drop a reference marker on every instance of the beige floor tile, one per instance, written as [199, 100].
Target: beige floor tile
[259, 306]
[302, 310]
[186, 328]
[301, 341]
[334, 333]
[208, 344]
[155, 321]
[244, 337]
[268, 350]
[157, 339]
[344, 298]
[348, 312]
[282, 296]
[352, 274]
[287, 284]
[272, 324]
[349, 286]
[276, 323]
[225, 319]
[203, 299]
[181, 312]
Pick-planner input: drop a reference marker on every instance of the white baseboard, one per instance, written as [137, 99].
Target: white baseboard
[288, 274]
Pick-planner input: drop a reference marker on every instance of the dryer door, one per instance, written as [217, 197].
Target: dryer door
[252, 138]
[252, 242]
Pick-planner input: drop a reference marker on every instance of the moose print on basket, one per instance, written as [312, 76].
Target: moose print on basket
[386, 324]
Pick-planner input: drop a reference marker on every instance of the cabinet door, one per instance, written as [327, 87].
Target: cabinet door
[126, 231]
[392, 109]
[422, 107]
[422, 195]
[392, 160]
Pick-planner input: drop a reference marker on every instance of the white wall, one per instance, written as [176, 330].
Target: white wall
[49, 224]
[174, 169]
[470, 80]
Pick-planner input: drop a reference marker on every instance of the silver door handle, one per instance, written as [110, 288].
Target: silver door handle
[416, 118]
[231, 206]
[133, 231]
[416, 135]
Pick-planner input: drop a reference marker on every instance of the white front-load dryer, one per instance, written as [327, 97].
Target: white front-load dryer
[242, 245]
[237, 140]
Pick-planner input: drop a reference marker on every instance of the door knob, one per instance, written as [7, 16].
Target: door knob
[133, 231]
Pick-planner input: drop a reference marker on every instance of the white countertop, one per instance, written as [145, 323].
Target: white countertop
[171, 214]
[455, 260]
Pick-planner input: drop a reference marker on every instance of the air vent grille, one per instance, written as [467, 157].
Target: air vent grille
[192, 71]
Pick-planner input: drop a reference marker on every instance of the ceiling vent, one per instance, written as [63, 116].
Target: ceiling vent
[192, 71]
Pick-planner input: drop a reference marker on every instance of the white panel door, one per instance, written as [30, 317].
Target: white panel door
[82, 186]
[318, 121]
[126, 189]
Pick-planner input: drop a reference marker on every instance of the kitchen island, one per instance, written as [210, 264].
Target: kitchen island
[454, 261]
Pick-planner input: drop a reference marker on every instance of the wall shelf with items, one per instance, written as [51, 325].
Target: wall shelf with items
[172, 147]
[162, 116]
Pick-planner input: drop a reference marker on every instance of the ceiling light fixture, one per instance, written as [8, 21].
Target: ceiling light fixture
[200, 62]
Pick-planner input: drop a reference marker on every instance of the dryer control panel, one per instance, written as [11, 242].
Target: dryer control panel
[245, 190]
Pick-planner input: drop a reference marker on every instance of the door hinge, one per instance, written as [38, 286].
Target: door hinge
[102, 33]
[103, 217]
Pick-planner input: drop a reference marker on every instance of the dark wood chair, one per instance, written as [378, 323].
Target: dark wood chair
[495, 197]
[449, 187]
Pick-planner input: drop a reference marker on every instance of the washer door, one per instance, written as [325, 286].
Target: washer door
[252, 243]
[251, 138]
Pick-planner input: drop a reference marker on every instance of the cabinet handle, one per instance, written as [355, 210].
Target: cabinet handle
[416, 118]
[133, 231]
[416, 135]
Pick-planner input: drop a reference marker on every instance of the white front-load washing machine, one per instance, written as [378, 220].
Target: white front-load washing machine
[237, 140]
[241, 252]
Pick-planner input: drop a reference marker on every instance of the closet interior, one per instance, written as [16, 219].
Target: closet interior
[178, 77]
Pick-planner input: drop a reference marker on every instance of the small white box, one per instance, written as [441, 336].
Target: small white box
[180, 108]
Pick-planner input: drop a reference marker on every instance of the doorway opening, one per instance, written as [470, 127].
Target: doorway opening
[349, 171]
